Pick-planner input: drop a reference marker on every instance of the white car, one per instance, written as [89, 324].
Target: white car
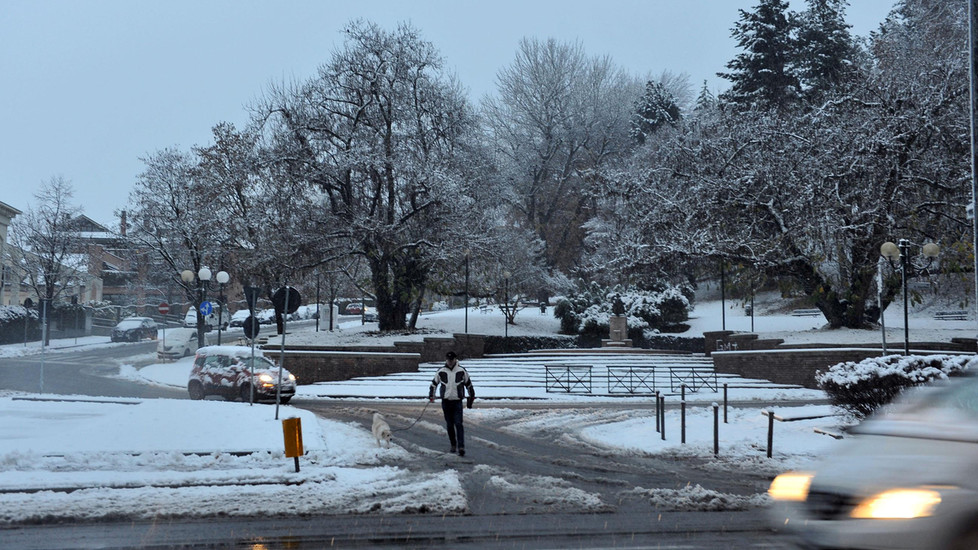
[238, 319]
[904, 479]
[210, 321]
[177, 343]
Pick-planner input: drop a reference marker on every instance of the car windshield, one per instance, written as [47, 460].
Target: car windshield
[960, 394]
[261, 363]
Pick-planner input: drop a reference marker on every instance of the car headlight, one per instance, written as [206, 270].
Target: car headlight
[291, 377]
[899, 504]
[265, 378]
[791, 486]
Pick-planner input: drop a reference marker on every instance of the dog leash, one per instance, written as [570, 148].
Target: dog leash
[415, 420]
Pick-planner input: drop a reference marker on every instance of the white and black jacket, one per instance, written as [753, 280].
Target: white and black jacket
[453, 381]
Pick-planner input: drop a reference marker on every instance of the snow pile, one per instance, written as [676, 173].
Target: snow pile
[697, 499]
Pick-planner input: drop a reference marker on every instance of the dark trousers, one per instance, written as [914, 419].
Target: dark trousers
[453, 420]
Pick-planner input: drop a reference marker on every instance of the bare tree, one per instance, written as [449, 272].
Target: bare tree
[559, 117]
[50, 258]
[380, 138]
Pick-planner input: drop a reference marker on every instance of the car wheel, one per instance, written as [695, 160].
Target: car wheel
[245, 393]
[285, 400]
[186, 352]
[196, 390]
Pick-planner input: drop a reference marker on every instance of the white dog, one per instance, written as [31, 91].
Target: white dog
[381, 430]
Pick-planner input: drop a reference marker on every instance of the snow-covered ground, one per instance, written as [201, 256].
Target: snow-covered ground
[88, 458]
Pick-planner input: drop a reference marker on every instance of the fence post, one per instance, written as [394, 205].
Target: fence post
[682, 389]
[682, 422]
[724, 403]
[716, 429]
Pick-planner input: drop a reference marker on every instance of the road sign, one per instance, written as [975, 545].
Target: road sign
[206, 308]
[163, 308]
[278, 300]
[251, 296]
[251, 327]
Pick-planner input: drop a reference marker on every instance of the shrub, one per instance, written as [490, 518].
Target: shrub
[522, 344]
[12, 324]
[569, 323]
[861, 388]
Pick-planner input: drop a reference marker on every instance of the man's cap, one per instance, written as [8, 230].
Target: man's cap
[450, 355]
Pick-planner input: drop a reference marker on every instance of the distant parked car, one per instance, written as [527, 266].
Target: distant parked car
[210, 321]
[177, 343]
[238, 319]
[265, 316]
[370, 315]
[354, 308]
[228, 371]
[133, 329]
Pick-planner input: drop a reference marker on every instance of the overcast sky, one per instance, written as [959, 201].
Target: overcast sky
[88, 87]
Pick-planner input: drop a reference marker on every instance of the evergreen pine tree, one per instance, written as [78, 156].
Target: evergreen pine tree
[656, 108]
[762, 74]
[825, 50]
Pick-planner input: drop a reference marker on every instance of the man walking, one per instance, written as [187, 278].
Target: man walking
[453, 381]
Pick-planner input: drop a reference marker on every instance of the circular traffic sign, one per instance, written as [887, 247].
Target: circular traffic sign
[278, 300]
[206, 308]
[251, 327]
[163, 308]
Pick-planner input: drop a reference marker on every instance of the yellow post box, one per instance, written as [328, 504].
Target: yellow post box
[292, 429]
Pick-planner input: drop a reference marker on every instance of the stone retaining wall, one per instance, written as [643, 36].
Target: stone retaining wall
[310, 367]
[311, 364]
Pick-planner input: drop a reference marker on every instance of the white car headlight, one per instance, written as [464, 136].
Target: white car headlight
[899, 504]
[265, 378]
[791, 486]
[291, 377]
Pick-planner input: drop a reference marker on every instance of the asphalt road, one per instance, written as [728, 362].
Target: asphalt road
[509, 476]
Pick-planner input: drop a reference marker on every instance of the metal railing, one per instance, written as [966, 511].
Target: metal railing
[568, 378]
[631, 380]
[692, 378]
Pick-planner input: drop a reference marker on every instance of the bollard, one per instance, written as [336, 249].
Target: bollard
[656, 412]
[682, 422]
[770, 431]
[662, 407]
[292, 430]
[724, 403]
[716, 429]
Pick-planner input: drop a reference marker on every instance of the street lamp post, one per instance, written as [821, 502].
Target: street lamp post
[203, 278]
[506, 275]
[466, 291]
[900, 253]
[222, 279]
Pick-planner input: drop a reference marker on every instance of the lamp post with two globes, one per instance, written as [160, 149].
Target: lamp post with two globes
[899, 258]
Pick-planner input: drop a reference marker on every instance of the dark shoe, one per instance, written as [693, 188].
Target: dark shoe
[453, 450]
[461, 452]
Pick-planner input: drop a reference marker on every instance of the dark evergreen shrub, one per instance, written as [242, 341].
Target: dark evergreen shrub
[523, 344]
[12, 324]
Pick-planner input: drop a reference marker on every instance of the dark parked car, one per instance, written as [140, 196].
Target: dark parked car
[132, 329]
[228, 371]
